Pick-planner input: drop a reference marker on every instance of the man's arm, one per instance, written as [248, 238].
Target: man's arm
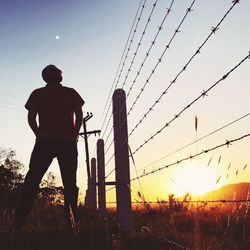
[79, 119]
[32, 121]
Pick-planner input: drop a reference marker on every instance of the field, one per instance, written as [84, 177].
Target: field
[166, 225]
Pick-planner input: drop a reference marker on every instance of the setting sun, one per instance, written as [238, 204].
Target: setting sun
[196, 180]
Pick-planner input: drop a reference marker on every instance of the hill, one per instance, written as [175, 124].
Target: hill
[237, 191]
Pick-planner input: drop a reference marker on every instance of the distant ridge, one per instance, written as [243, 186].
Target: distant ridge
[237, 191]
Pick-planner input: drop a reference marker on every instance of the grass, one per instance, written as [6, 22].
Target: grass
[163, 226]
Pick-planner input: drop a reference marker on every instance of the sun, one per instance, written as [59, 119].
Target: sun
[195, 179]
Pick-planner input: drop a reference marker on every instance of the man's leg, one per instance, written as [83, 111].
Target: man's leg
[67, 159]
[40, 160]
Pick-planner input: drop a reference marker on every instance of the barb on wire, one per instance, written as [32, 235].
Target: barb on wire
[177, 30]
[198, 51]
[203, 94]
[139, 43]
[127, 48]
[160, 27]
[107, 125]
[192, 156]
[191, 201]
[193, 142]
[151, 46]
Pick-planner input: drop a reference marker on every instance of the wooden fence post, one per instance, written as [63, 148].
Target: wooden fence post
[122, 172]
[101, 178]
[93, 184]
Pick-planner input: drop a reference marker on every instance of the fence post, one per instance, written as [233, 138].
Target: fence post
[93, 184]
[123, 194]
[101, 177]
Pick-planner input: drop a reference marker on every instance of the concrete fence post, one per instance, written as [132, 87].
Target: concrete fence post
[93, 184]
[101, 177]
[122, 172]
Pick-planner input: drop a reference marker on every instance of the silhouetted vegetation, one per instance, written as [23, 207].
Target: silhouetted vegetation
[168, 224]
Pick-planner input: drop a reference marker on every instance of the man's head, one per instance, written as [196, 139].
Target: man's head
[51, 74]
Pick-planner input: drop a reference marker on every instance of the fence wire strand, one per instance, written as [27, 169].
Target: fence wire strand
[198, 51]
[202, 95]
[190, 157]
[193, 142]
[177, 30]
[127, 50]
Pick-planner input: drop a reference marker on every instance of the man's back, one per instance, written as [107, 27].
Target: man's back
[55, 105]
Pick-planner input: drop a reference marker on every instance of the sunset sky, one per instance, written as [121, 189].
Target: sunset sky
[86, 39]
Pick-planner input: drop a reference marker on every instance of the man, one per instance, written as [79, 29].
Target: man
[56, 136]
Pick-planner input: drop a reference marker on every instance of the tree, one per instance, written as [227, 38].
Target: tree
[10, 177]
[50, 193]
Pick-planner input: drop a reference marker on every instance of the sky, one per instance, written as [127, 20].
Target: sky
[86, 39]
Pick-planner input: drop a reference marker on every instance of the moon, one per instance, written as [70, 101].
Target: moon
[57, 37]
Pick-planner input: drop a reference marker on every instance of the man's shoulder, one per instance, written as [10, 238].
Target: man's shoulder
[38, 90]
[68, 89]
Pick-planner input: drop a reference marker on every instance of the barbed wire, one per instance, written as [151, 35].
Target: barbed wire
[158, 62]
[227, 143]
[110, 131]
[139, 43]
[131, 64]
[202, 95]
[193, 142]
[127, 49]
[213, 30]
[111, 170]
[188, 201]
[160, 27]
[177, 30]
[184, 147]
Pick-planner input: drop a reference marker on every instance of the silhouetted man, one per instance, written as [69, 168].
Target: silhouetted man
[56, 136]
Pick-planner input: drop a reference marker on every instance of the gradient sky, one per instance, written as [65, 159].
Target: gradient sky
[92, 35]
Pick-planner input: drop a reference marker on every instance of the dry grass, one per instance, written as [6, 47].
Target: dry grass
[198, 227]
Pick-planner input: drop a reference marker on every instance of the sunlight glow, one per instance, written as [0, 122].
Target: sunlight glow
[196, 180]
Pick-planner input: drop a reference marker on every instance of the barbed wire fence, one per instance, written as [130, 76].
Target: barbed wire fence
[150, 138]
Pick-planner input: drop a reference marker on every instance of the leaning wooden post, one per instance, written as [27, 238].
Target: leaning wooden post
[93, 184]
[122, 173]
[101, 178]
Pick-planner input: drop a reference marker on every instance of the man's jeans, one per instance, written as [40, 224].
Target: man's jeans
[43, 153]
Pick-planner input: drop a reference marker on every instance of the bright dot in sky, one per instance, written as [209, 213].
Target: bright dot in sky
[57, 37]
[196, 180]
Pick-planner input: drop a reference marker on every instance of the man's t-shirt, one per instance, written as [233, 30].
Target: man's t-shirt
[55, 105]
